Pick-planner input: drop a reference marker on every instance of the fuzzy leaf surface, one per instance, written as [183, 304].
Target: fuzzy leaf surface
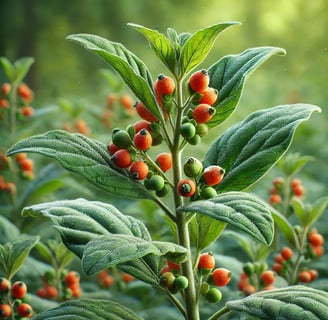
[86, 309]
[295, 302]
[131, 69]
[228, 76]
[243, 211]
[248, 149]
[87, 157]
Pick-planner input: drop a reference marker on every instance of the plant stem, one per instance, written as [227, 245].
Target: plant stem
[220, 313]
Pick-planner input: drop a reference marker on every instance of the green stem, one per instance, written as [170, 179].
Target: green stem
[286, 196]
[220, 313]
[13, 108]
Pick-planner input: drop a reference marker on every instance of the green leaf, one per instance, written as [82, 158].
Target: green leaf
[293, 163]
[285, 227]
[131, 69]
[161, 45]
[86, 309]
[201, 239]
[110, 250]
[248, 149]
[9, 232]
[22, 67]
[295, 302]
[13, 255]
[318, 209]
[243, 211]
[87, 157]
[198, 45]
[45, 252]
[8, 68]
[228, 76]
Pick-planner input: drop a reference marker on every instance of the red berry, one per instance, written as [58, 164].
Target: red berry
[172, 265]
[203, 113]
[4, 103]
[27, 164]
[279, 258]
[112, 148]
[305, 276]
[144, 113]
[206, 261]
[318, 250]
[126, 101]
[25, 92]
[199, 81]
[51, 292]
[141, 124]
[127, 277]
[72, 278]
[18, 290]
[27, 111]
[275, 199]
[164, 160]
[316, 239]
[122, 158]
[139, 170]
[5, 88]
[268, 277]
[4, 285]
[286, 253]
[277, 267]
[25, 310]
[186, 187]
[143, 140]
[42, 293]
[221, 277]
[213, 175]
[164, 86]
[209, 96]
[5, 310]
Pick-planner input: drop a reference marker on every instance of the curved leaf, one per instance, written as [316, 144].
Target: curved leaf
[107, 251]
[243, 211]
[228, 76]
[296, 302]
[132, 70]
[22, 66]
[198, 45]
[87, 157]
[251, 147]
[86, 309]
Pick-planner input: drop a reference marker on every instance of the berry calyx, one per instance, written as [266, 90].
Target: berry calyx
[186, 188]
[199, 81]
[203, 113]
[213, 175]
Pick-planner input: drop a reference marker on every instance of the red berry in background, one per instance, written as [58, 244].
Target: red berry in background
[286, 253]
[206, 262]
[27, 164]
[314, 274]
[51, 292]
[25, 310]
[164, 85]
[275, 199]
[186, 187]
[209, 96]
[305, 276]
[27, 111]
[203, 113]
[5, 88]
[199, 81]
[279, 258]
[122, 158]
[72, 278]
[144, 113]
[268, 277]
[127, 277]
[4, 103]
[5, 310]
[143, 140]
[172, 265]
[139, 170]
[126, 101]
[277, 267]
[164, 161]
[316, 239]
[221, 277]
[317, 250]
[18, 290]
[213, 175]
[4, 285]
[25, 92]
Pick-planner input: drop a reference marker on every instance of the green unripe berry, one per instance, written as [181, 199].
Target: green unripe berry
[131, 130]
[248, 268]
[164, 191]
[181, 283]
[213, 295]
[202, 129]
[208, 193]
[50, 275]
[192, 167]
[204, 288]
[122, 139]
[187, 130]
[195, 140]
[156, 183]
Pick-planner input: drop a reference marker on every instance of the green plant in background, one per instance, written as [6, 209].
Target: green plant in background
[198, 199]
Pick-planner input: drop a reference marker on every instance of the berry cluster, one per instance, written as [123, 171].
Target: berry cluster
[25, 95]
[106, 279]
[60, 287]
[255, 277]
[12, 296]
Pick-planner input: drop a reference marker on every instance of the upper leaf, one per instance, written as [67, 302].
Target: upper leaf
[243, 211]
[228, 76]
[198, 45]
[295, 302]
[161, 45]
[22, 66]
[87, 157]
[131, 69]
[251, 147]
[86, 309]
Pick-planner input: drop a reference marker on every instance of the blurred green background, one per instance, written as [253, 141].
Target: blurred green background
[38, 28]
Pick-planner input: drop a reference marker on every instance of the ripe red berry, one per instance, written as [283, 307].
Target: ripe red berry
[206, 261]
[122, 158]
[305, 276]
[5, 88]
[316, 239]
[199, 81]
[126, 101]
[277, 267]
[4, 285]
[286, 253]
[279, 258]
[221, 277]
[164, 160]
[25, 310]
[209, 96]
[27, 111]
[112, 148]
[4, 104]
[25, 92]
[143, 140]
[144, 113]
[186, 187]
[275, 199]
[5, 310]
[18, 290]
[173, 266]
[164, 86]
[27, 164]
[203, 113]
[141, 124]
[139, 170]
[317, 250]
[127, 277]
[268, 277]
[72, 278]
[213, 175]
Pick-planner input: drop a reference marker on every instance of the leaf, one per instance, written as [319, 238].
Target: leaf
[9, 232]
[22, 67]
[86, 309]
[295, 302]
[110, 250]
[198, 45]
[45, 252]
[243, 211]
[160, 44]
[131, 69]
[13, 255]
[293, 163]
[318, 209]
[87, 157]
[285, 227]
[201, 239]
[248, 149]
[8, 68]
[228, 76]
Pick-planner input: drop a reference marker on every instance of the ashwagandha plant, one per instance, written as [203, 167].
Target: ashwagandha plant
[207, 196]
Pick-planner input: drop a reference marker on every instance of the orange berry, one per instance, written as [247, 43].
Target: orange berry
[5, 310]
[5, 88]
[286, 253]
[316, 239]
[299, 191]
[164, 86]
[199, 81]
[110, 99]
[318, 250]
[72, 278]
[268, 277]
[144, 113]
[164, 160]
[186, 187]
[249, 289]
[25, 92]
[278, 181]
[122, 158]
[20, 157]
[209, 96]
[295, 183]
[143, 140]
[172, 265]
[139, 170]
[314, 274]
[27, 164]
[279, 258]
[42, 293]
[127, 277]
[269, 287]
[4, 103]
[213, 175]
[221, 277]
[203, 113]
[51, 292]
[304, 276]
[206, 261]
[141, 124]
[277, 267]
[10, 187]
[27, 111]
[4, 285]
[112, 148]
[76, 290]
[275, 199]
[126, 101]
[107, 281]
[18, 290]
